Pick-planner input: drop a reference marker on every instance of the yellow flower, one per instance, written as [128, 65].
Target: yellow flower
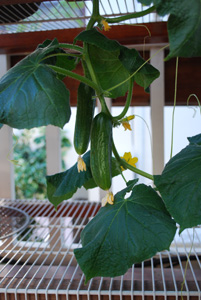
[125, 122]
[81, 166]
[129, 159]
[109, 198]
[129, 118]
[126, 125]
[106, 26]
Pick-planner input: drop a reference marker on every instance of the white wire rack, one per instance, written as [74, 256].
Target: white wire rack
[61, 14]
[38, 263]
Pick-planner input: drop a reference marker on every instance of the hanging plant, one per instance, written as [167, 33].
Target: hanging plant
[139, 220]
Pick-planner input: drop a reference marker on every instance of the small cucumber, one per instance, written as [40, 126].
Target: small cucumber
[85, 112]
[101, 151]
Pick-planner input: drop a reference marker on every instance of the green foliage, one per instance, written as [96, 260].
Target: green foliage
[30, 170]
[114, 63]
[101, 151]
[63, 185]
[195, 139]
[85, 112]
[32, 94]
[179, 185]
[184, 25]
[127, 236]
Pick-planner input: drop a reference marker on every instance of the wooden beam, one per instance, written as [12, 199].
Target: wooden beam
[125, 34]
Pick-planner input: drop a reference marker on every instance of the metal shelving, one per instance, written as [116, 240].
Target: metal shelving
[39, 261]
[62, 14]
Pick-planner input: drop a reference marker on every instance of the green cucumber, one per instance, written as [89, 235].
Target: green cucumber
[85, 112]
[101, 151]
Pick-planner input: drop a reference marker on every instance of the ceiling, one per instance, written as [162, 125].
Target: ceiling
[33, 16]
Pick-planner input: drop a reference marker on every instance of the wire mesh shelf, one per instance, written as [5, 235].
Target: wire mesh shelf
[39, 262]
[61, 14]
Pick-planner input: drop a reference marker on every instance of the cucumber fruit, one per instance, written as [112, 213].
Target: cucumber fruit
[101, 151]
[84, 116]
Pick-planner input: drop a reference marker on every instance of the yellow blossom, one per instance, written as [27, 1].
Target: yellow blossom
[81, 166]
[129, 159]
[109, 198]
[125, 122]
[106, 26]
[126, 125]
[129, 118]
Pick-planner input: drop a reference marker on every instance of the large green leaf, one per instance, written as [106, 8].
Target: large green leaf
[104, 56]
[114, 63]
[184, 25]
[63, 61]
[63, 185]
[130, 231]
[184, 28]
[180, 185]
[196, 139]
[95, 38]
[31, 95]
[109, 70]
[132, 61]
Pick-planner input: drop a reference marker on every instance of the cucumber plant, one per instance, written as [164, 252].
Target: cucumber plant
[132, 227]
[101, 151]
[85, 112]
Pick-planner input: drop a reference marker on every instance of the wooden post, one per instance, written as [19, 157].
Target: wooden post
[7, 185]
[157, 99]
[53, 149]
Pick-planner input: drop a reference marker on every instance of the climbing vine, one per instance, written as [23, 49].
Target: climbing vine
[139, 220]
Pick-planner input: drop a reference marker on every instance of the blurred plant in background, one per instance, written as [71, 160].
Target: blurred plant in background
[30, 167]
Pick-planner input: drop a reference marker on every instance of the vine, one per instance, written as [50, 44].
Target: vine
[127, 229]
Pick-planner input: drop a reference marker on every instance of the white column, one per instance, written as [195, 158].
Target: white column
[53, 149]
[157, 98]
[7, 186]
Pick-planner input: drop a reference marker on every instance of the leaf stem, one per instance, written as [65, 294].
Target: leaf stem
[61, 54]
[70, 46]
[131, 16]
[95, 15]
[74, 76]
[104, 106]
[126, 165]
[128, 102]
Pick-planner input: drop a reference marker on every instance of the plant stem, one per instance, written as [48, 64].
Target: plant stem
[75, 76]
[104, 106]
[128, 102]
[126, 165]
[95, 15]
[70, 46]
[61, 54]
[123, 177]
[131, 16]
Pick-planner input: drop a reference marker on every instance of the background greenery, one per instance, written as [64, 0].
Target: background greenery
[30, 167]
